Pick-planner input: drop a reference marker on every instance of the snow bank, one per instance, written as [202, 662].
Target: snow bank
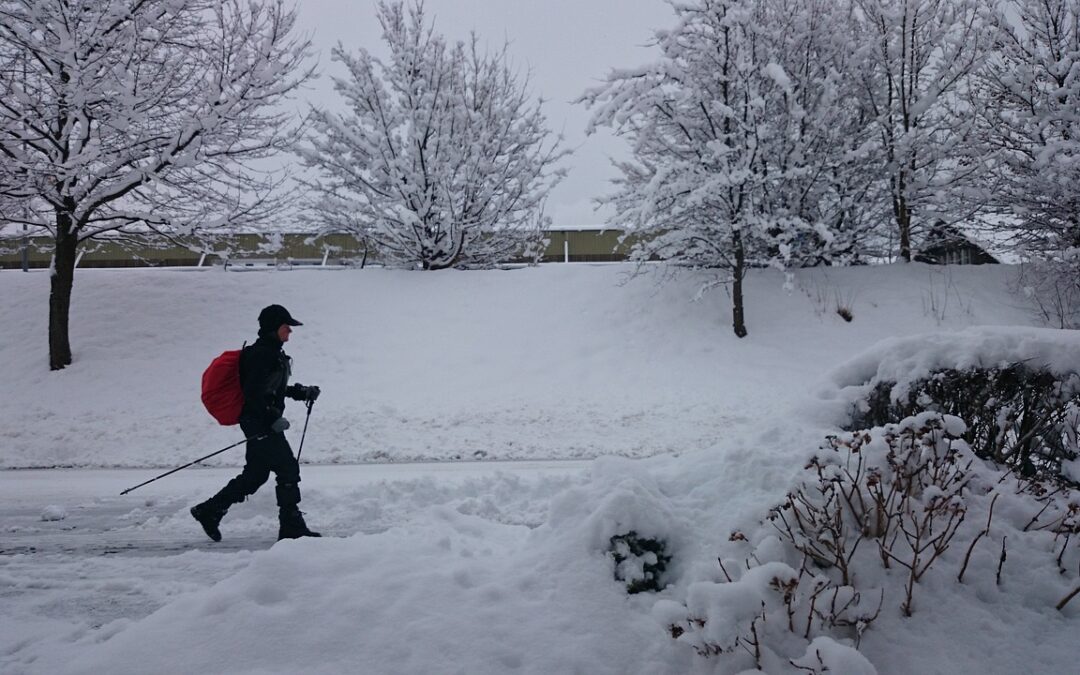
[453, 592]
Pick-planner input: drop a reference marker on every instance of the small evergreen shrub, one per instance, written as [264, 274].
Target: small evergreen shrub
[640, 562]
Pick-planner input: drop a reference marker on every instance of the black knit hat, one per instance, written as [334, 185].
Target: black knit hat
[272, 316]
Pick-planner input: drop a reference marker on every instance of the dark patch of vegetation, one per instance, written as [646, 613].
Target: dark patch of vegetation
[1023, 418]
[640, 562]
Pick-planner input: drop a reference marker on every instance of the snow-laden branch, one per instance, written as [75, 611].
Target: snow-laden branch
[102, 100]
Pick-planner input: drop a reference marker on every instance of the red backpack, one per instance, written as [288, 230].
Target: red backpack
[221, 391]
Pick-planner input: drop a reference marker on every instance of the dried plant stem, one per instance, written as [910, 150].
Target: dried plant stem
[985, 531]
[724, 569]
[1001, 561]
[1067, 598]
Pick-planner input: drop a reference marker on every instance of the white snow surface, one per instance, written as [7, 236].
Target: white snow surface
[612, 404]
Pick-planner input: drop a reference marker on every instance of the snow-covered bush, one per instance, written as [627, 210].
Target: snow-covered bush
[639, 561]
[628, 522]
[1017, 415]
[901, 489]
[874, 512]
[771, 613]
[901, 502]
[901, 485]
[1017, 389]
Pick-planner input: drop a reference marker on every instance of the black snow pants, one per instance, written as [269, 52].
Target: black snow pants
[263, 456]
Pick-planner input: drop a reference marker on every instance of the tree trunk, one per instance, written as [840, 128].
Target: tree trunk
[901, 212]
[62, 279]
[738, 320]
[904, 220]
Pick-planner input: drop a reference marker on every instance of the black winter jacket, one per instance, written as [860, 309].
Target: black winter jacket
[264, 376]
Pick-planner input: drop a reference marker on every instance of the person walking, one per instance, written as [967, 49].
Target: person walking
[264, 378]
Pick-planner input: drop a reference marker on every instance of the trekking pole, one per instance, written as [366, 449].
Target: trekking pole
[304, 433]
[228, 447]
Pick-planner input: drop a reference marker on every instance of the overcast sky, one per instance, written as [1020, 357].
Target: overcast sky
[566, 45]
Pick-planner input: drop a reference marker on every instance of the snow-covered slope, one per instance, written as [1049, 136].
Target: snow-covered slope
[548, 362]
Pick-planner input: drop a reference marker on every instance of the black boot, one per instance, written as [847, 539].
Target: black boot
[209, 515]
[292, 525]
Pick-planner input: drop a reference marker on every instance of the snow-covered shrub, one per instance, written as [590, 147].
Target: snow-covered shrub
[1025, 418]
[1018, 390]
[874, 511]
[823, 517]
[626, 524]
[768, 612]
[889, 499]
[640, 562]
[901, 485]
[881, 508]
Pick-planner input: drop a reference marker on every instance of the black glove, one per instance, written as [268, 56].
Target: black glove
[299, 392]
[280, 425]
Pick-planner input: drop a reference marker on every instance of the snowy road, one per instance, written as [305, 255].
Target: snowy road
[81, 512]
[75, 555]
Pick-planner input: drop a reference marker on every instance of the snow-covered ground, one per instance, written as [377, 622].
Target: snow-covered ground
[467, 567]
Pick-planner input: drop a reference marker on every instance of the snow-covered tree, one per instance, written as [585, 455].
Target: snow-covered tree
[692, 118]
[739, 134]
[140, 115]
[1031, 116]
[825, 137]
[920, 56]
[443, 158]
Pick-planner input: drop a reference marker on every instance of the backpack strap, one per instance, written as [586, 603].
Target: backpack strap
[243, 350]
